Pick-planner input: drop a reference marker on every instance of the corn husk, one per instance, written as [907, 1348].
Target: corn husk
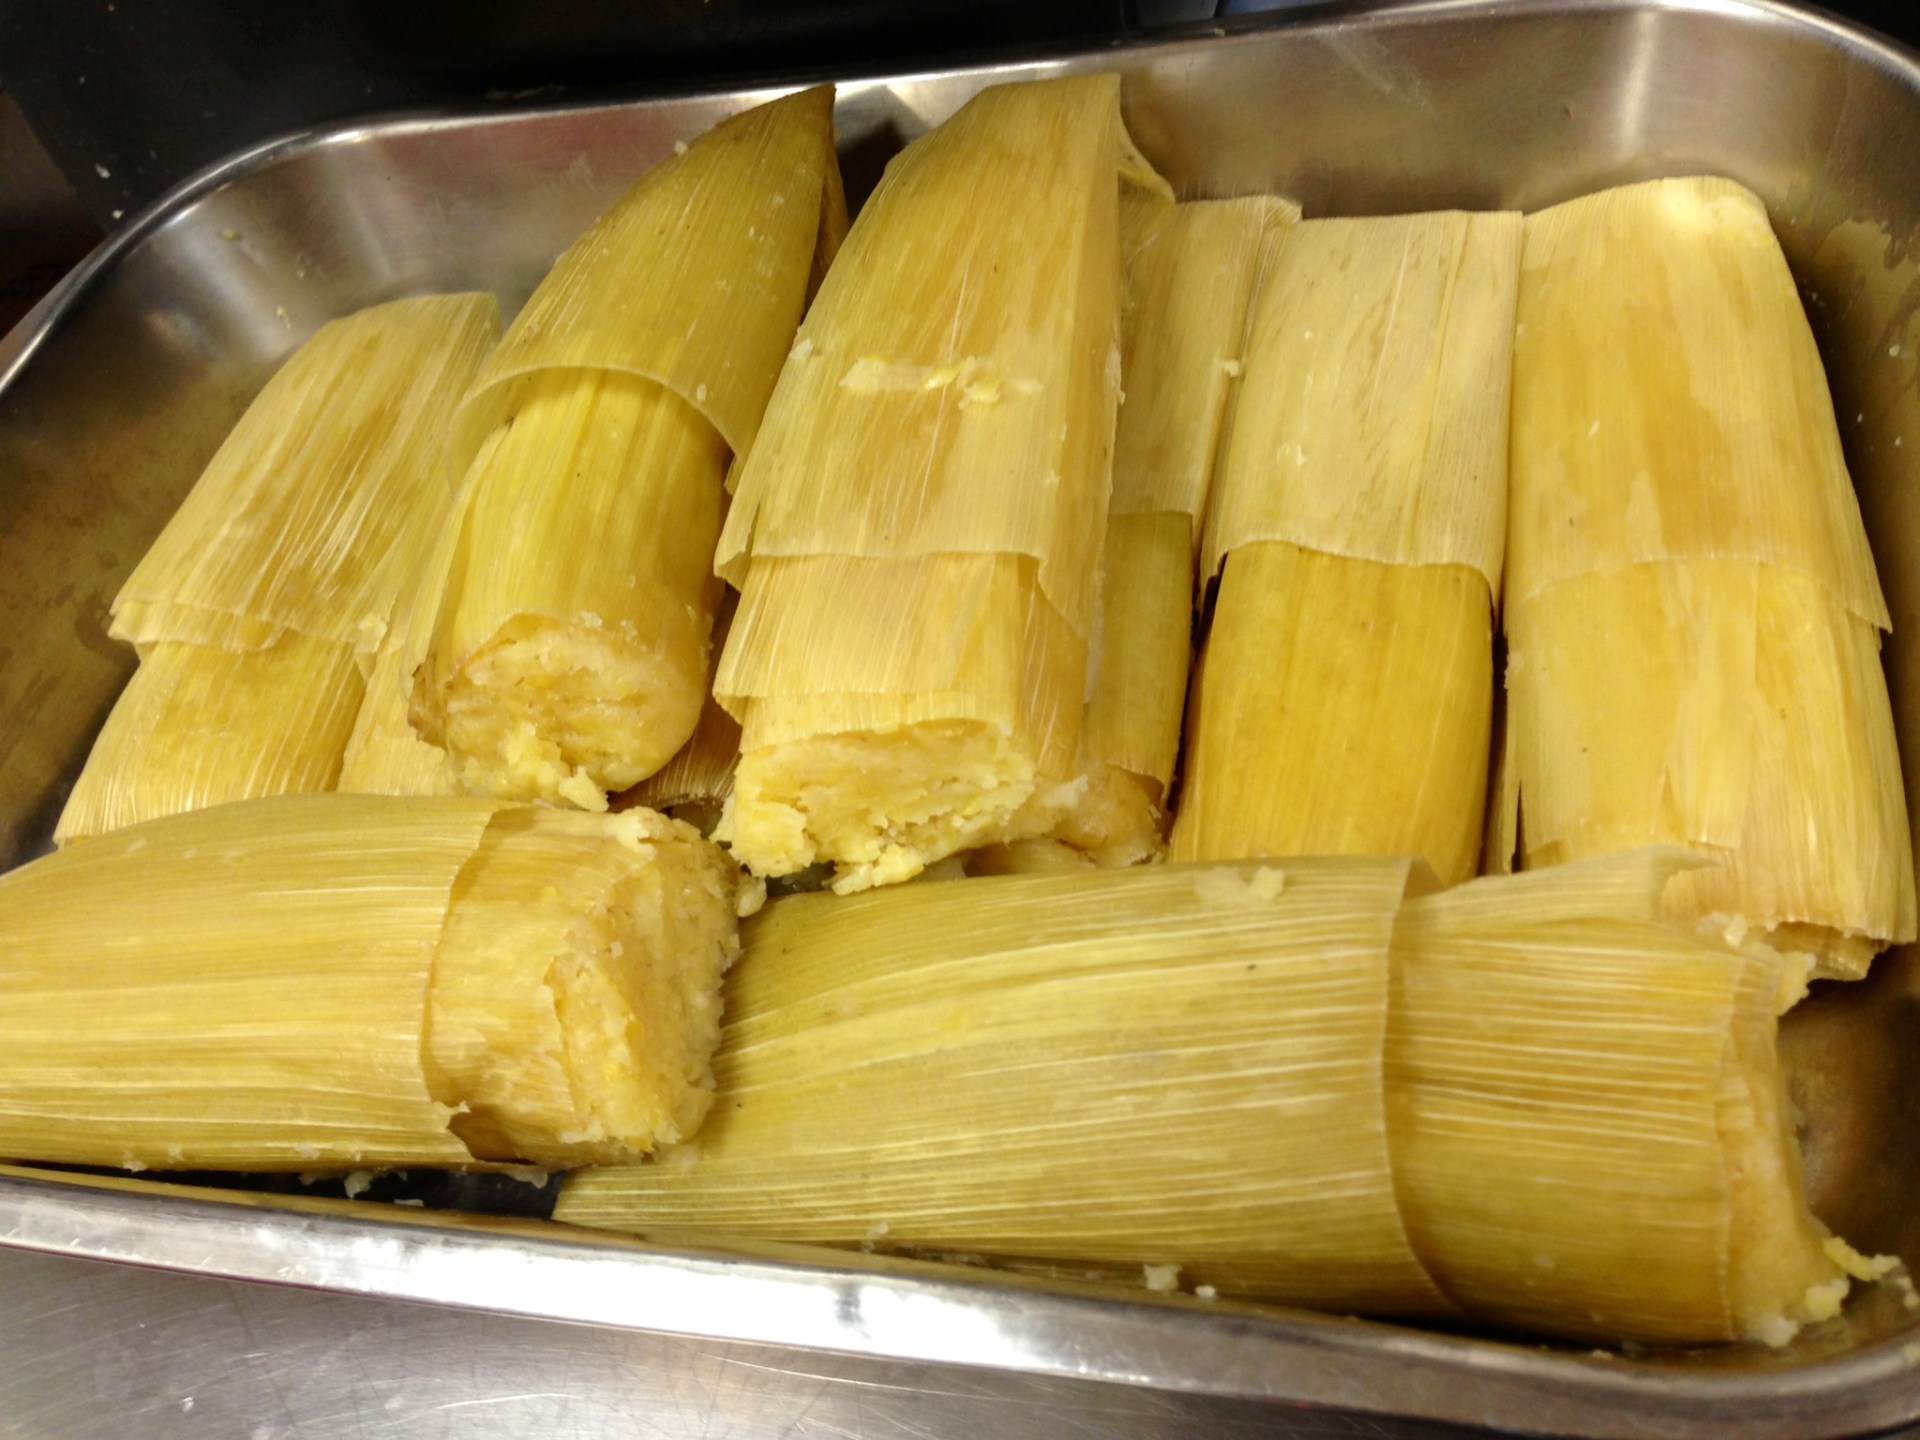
[1732, 707]
[695, 278]
[307, 982]
[198, 725]
[1188, 285]
[953, 386]
[568, 653]
[293, 525]
[1588, 1122]
[1161, 1067]
[699, 777]
[1372, 415]
[895, 712]
[1343, 708]
[1692, 611]
[1669, 394]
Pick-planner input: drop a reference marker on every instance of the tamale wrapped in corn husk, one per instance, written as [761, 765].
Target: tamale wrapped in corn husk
[305, 982]
[1188, 282]
[1344, 701]
[1589, 1128]
[955, 733]
[199, 725]
[1181, 1066]
[567, 654]
[699, 777]
[1173, 1066]
[1306, 737]
[294, 523]
[1692, 613]
[937, 454]
[286, 558]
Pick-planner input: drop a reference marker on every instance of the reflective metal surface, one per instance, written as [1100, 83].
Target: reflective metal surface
[118, 387]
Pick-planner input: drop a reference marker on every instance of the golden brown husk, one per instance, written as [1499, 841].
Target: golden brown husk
[1343, 708]
[1588, 1123]
[567, 653]
[253, 986]
[1696, 659]
[1168, 1066]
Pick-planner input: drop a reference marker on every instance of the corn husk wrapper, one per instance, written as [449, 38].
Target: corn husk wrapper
[695, 278]
[1356, 720]
[952, 388]
[1345, 698]
[1692, 612]
[1669, 401]
[198, 725]
[1174, 1066]
[568, 652]
[1732, 707]
[1188, 285]
[307, 982]
[1372, 416]
[294, 523]
[1589, 1128]
[906, 710]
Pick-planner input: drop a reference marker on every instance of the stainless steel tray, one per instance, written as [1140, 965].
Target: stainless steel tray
[117, 388]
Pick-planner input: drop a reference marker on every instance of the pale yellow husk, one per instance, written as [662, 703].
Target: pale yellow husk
[198, 725]
[1163, 1067]
[1733, 707]
[1669, 402]
[699, 777]
[952, 389]
[1371, 419]
[1188, 284]
[896, 711]
[1588, 1122]
[294, 523]
[1343, 707]
[569, 653]
[695, 278]
[253, 986]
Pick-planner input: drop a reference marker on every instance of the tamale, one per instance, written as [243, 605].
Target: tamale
[957, 694]
[293, 524]
[249, 608]
[1319, 726]
[1346, 691]
[1187, 285]
[1588, 1123]
[567, 653]
[198, 725]
[1692, 612]
[305, 982]
[1175, 1066]
[929, 492]
[699, 777]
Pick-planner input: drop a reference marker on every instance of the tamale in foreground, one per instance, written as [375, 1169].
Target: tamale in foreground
[937, 453]
[1187, 1066]
[248, 609]
[1692, 613]
[1345, 695]
[1156, 1066]
[306, 982]
[564, 650]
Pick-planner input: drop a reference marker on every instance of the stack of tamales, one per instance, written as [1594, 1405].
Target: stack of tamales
[1692, 615]
[916, 532]
[558, 645]
[315, 981]
[248, 610]
[1527, 1100]
[1345, 690]
[1188, 280]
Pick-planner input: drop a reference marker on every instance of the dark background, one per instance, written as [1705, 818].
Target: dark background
[130, 96]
